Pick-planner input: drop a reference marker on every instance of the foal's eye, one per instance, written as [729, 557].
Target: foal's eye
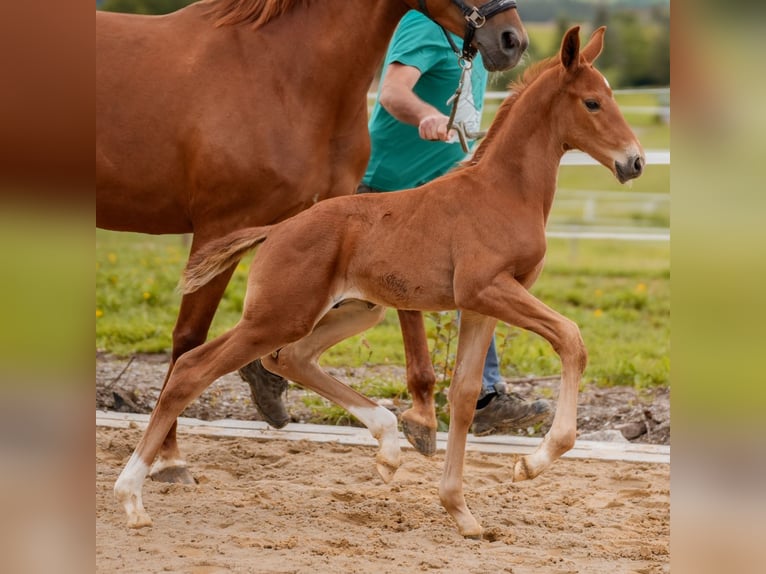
[592, 105]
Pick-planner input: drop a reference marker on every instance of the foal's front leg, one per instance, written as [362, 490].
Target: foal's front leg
[475, 335]
[509, 301]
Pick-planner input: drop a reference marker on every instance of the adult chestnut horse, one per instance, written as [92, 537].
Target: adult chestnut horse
[236, 113]
[480, 232]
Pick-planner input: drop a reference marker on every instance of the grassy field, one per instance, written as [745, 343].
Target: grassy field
[618, 292]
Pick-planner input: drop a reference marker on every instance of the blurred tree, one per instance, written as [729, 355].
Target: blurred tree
[563, 23]
[659, 55]
[638, 46]
[144, 6]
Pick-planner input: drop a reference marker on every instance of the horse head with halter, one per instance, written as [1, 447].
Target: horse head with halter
[475, 17]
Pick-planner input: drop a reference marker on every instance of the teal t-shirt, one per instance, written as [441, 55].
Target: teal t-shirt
[399, 158]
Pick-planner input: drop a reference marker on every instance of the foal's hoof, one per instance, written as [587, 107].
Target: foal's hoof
[386, 470]
[521, 470]
[421, 437]
[471, 530]
[173, 474]
[139, 520]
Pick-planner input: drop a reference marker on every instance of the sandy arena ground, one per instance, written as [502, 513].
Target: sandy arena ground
[301, 507]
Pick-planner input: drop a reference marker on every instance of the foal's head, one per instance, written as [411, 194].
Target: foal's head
[588, 116]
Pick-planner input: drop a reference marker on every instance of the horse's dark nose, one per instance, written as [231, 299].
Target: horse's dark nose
[511, 41]
[631, 169]
[638, 165]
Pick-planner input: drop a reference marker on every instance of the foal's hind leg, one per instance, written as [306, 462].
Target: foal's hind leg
[298, 362]
[193, 372]
[418, 422]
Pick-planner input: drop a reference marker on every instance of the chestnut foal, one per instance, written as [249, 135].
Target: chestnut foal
[472, 240]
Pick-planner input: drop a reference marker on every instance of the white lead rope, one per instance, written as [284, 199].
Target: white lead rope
[463, 134]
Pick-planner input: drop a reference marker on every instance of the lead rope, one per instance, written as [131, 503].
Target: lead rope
[462, 133]
[475, 18]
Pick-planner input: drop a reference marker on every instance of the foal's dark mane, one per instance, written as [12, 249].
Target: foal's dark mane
[255, 12]
[516, 88]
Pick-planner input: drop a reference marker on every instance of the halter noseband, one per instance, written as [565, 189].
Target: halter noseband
[475, 17]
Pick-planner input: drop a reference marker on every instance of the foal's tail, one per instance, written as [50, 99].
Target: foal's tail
[217, 256]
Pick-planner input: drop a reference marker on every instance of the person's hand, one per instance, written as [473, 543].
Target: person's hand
[433, 127]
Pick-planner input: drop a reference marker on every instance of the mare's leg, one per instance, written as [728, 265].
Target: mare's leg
[194, 318]
[418, 422]
[509, 301]
[298, 362]
[475, 334]
[193, 372]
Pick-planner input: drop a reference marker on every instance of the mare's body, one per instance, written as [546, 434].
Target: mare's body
[235, 113]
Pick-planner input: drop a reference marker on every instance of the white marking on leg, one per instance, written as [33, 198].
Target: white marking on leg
[162, 463]
[382, 425]
[127, 489]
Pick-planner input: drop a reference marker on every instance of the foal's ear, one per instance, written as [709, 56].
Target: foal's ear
[594, 46]
[570, 49]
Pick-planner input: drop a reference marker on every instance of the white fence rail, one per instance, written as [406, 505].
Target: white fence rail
[653, 157]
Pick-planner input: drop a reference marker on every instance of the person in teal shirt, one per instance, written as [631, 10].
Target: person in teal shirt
[408, 123]
[411, 146]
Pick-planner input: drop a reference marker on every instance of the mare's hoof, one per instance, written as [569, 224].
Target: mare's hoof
[267, 389]
[173, 474]
[420, 436]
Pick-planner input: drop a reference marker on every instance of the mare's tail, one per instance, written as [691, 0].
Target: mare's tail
[218, 255]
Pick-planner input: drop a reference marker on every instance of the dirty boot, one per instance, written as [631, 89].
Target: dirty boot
[510, 412]
[266, 389]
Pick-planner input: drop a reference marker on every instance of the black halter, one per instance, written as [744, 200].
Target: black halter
[475, 17]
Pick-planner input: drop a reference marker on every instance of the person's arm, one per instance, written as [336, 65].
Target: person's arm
[399, 99]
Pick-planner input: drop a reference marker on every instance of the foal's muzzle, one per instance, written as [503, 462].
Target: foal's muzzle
[631, 169]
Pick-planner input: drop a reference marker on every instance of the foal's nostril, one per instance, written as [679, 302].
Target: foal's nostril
[638, 164]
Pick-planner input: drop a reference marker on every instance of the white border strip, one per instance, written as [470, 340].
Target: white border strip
[504, 444]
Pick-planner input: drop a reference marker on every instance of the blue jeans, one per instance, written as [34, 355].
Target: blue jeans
[491, 374]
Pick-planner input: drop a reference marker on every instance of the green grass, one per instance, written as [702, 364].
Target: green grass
[655, 179]
[136, 298]
[618, 292]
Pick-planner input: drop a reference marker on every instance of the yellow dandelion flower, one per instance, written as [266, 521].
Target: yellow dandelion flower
[147, 295]
[598, 313]
[641, 288]
[112, 258]
[99, 313]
